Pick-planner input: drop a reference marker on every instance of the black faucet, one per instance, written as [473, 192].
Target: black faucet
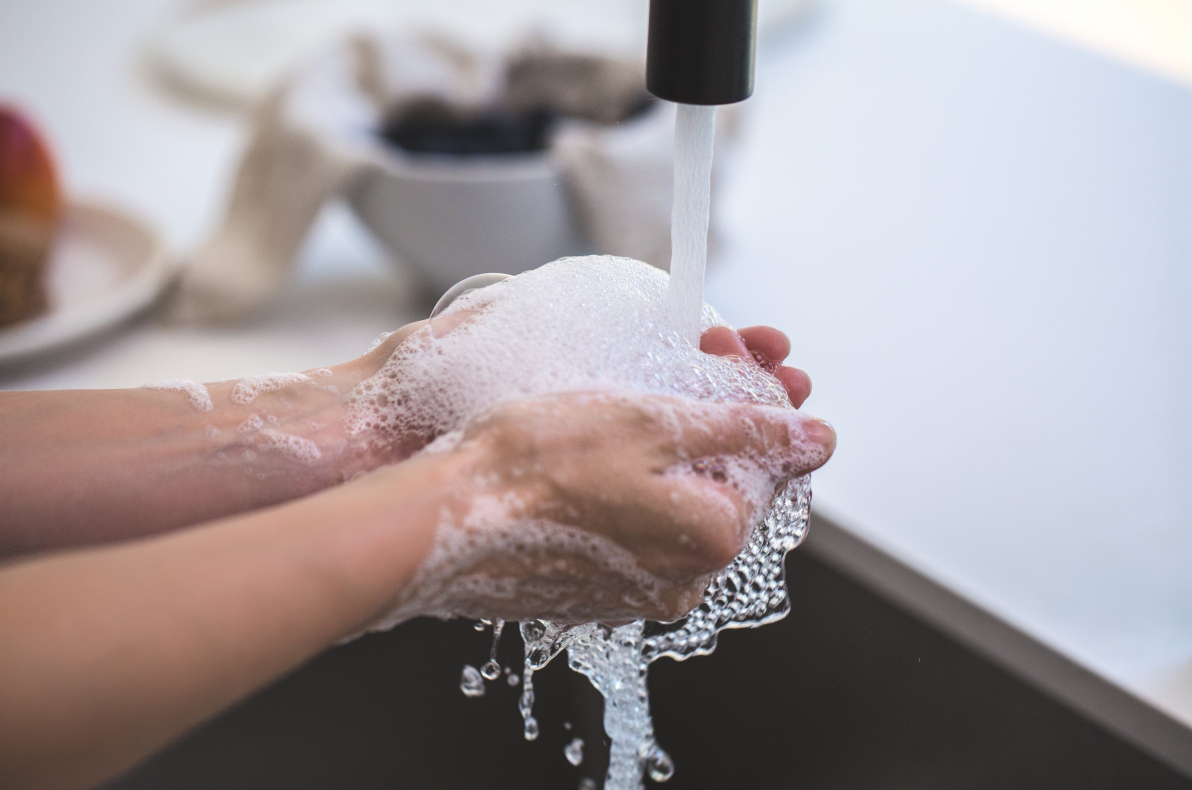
[701, 51]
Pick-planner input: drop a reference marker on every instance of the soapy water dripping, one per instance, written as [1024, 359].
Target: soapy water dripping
[491, 669]
[750, 592]
[695, 128]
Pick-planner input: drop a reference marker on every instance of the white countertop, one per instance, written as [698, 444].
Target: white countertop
[979, 239]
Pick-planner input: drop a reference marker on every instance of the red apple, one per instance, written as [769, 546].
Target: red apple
[29, 204]
[28, 180]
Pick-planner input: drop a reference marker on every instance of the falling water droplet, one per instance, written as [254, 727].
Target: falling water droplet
[531, 728]
[525, 705]
[574, 751]
[513, 680]
[587, 783]
[470, 682]
[491, 669]
[659, 765]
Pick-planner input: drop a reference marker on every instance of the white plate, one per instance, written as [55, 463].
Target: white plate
[104, 268]
[236, 51]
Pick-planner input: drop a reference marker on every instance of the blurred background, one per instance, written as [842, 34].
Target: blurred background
[973, 218]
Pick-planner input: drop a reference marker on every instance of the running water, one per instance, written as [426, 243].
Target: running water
[695, 126]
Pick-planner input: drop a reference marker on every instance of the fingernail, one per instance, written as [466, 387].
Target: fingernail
[821, 432]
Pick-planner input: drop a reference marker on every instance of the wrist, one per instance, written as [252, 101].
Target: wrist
[379, 530]
[287, 431]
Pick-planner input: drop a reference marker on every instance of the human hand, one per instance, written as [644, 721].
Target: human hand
[588, 506]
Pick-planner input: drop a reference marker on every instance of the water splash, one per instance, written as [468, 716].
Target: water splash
[749, 592]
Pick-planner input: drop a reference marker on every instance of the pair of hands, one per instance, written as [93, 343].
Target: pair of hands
[603, 467]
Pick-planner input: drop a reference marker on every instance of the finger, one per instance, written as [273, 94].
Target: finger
[723, 342]
[712, 522]
[796, 383]
[765, 345]
[767, 342]
[786, 439]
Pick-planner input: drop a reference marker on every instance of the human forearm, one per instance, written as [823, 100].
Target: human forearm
[112, 652]
[86, 467]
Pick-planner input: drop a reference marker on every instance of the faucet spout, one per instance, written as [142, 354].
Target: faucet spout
[701, 51]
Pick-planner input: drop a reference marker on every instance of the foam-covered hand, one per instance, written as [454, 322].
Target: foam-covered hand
[611, 507]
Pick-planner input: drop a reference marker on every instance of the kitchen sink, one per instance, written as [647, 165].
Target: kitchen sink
[852, 690]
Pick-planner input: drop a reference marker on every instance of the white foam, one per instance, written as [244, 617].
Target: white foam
[197, 393]
[592, 323]
[251, 423]
[247, 390]
[297, 448]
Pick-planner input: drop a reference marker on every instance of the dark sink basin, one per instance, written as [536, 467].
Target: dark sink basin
[849, 691]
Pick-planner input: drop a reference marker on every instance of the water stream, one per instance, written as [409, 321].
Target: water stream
[695, 128]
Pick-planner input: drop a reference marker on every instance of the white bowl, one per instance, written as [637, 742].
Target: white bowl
[451, 217]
